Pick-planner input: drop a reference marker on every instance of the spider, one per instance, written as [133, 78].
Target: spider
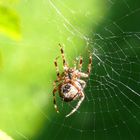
[69, 83]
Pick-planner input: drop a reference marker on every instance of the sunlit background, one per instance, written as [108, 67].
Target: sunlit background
[30, 31]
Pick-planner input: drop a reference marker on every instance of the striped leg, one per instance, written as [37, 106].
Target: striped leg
[57, 69]
[89, 65]
[54, 99]
[65, 66]
[80, 64]
[75, 63]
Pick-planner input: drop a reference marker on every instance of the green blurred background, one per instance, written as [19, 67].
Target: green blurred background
[30, 31]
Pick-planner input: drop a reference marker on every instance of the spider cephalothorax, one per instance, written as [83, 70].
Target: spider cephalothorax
[70, 86]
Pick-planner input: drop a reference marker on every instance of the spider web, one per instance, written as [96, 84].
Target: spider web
[111, 109]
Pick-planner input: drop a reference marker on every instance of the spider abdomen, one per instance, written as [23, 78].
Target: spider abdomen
[68, 92]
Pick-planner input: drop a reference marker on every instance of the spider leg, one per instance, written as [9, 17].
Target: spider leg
[54, 99]
[89, 65]
[78, 104]
[75, 64]
[84, 75]
[54, 83]
[56, 88]
[80, 64]
[65, 66]
[57, 69]
[82, 83]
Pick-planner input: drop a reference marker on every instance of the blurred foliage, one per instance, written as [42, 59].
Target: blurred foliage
[8, 1]
[4, 136]
[9, 22]
[28, 71]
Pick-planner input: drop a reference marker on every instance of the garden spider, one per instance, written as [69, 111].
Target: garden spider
[70, 86]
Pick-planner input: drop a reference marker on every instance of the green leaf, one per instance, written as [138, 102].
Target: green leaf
[9, 23]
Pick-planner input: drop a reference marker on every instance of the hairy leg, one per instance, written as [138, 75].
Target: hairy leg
[82, 82]
[89, 65]
[80, 64]
[57, 69]
[65, 66]
[78, 104]
[54, 99]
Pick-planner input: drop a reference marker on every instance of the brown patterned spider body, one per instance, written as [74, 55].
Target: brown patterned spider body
[70, 86]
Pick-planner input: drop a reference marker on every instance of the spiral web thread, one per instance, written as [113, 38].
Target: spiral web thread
[112, 99]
